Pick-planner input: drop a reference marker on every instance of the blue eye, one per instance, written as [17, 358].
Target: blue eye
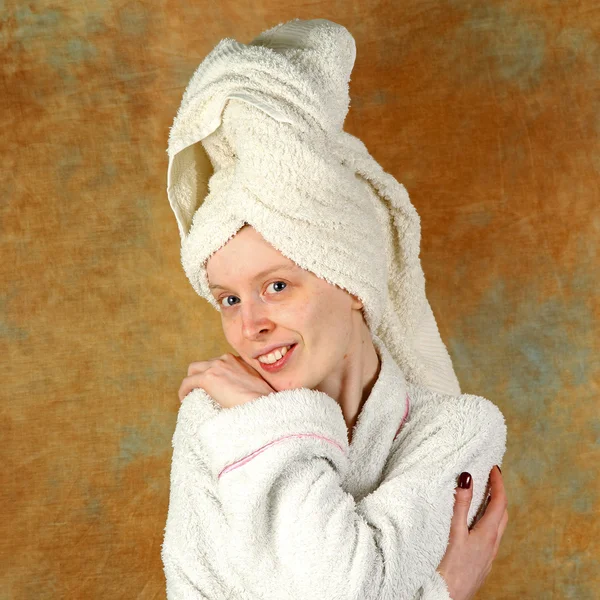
[225, 298]
[284, 283]
[230, 296]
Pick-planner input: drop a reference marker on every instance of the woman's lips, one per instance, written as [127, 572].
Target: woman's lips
[278, 365]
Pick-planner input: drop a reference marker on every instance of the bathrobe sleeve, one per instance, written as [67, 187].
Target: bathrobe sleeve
[272, 469]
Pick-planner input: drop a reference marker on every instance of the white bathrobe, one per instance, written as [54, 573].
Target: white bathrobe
[268, 500]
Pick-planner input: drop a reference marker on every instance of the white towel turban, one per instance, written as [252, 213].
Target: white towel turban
[259, 140]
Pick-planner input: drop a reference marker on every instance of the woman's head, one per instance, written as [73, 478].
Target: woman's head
[288, 305]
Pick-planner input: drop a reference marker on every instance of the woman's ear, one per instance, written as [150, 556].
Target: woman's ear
[356, 302]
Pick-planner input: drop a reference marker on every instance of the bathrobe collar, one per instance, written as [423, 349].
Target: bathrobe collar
[384, 412]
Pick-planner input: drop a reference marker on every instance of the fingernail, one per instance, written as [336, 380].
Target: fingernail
[464, 481]
[499, 469]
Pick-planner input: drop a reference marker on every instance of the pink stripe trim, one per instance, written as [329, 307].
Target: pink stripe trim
[248, 458]
[404, 417]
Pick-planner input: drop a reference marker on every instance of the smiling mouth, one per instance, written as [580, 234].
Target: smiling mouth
[278, 364]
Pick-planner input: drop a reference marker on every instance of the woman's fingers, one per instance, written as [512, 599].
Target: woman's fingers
[501, 529]
[497, 505]
[201, 365]
[462, 503]
[469, 555]
[184, 388]
[197, 368]
[188, 384]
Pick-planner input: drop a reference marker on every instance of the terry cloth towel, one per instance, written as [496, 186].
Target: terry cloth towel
[259, 139]
[269, 501]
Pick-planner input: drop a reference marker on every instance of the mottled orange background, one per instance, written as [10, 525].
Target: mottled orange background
[487, 111]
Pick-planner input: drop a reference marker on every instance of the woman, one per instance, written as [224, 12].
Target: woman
[334, 354]
[329, 473]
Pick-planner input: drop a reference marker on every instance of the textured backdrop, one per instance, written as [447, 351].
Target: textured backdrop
[488, 112]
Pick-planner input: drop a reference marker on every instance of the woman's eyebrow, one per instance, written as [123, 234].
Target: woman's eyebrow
[261, 274]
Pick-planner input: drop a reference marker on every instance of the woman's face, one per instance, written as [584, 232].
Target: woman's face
[289, 305]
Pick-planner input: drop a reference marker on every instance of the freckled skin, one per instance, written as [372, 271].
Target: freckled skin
[335, 352]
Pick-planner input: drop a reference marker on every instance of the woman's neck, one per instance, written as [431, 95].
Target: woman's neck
[358, 374]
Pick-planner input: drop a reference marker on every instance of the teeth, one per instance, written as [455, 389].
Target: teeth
[274, 356]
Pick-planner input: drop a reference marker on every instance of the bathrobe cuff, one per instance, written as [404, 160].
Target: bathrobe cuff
[435, 588]
[231, 437]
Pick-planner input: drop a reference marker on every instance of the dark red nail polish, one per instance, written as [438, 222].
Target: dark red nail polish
[464, 481]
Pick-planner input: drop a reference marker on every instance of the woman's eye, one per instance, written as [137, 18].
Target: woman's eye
[225, 298]
[275, 283]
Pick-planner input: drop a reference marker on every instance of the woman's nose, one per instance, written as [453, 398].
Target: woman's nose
[255, 317]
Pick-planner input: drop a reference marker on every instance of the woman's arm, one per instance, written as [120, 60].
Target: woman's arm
[274, 468]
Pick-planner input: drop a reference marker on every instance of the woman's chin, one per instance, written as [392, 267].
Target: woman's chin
[279, 387]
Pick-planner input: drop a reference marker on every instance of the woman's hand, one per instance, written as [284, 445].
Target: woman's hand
[469, 556]
[228, 380]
